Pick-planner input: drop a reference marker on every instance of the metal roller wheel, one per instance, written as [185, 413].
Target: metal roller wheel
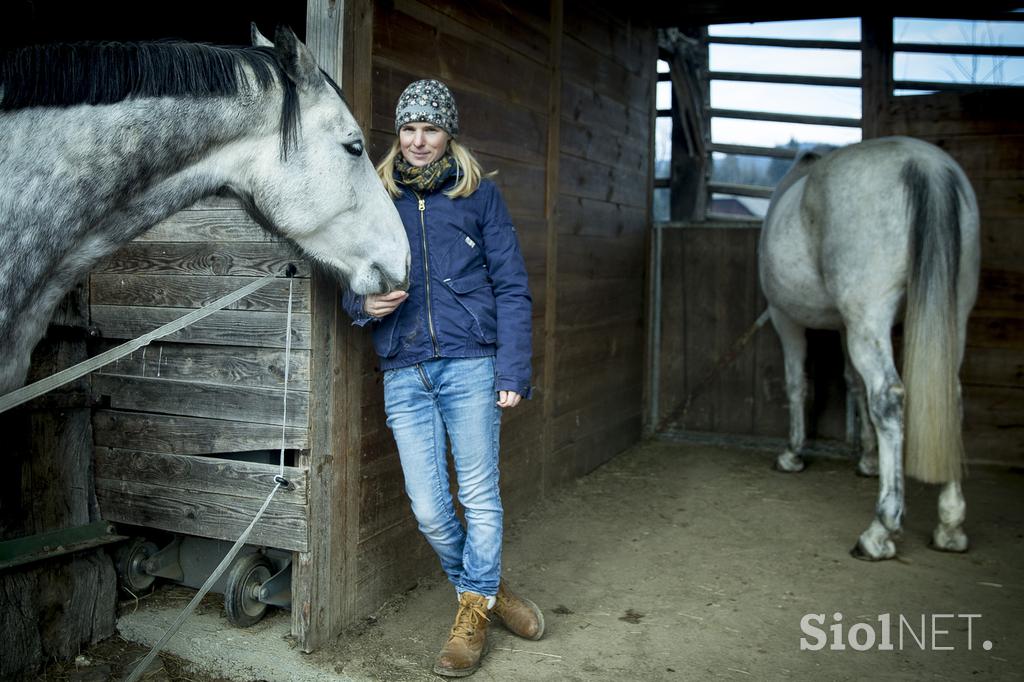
[128, 561]
[241, 595]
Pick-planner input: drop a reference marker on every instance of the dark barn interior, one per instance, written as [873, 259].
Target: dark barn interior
[642, 327]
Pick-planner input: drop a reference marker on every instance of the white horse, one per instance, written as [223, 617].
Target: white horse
[98, 142]
[850, 241]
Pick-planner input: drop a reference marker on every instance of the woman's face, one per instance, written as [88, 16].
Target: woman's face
[422, 143]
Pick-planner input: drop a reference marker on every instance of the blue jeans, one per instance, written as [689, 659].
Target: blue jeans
[457, 396]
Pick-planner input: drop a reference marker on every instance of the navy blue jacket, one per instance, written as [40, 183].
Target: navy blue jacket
[468, 293]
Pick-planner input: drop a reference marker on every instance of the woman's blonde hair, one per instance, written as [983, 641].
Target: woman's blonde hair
[469, 171]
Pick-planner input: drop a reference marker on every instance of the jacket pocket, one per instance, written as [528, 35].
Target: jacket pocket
[474, 294]
[386, 338]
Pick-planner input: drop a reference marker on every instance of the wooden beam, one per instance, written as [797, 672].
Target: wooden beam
[206, 514]
[876, 73]
[952, 87]
[744, 150]
[786, 118]
[551, 216]
[788, 79]
[786, 42]
[985, 50]
[741, 190]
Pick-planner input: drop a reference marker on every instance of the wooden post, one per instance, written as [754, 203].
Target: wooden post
[324, 582]
[551, 254]
[876, 73]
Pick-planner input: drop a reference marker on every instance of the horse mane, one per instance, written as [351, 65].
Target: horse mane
[66, 74]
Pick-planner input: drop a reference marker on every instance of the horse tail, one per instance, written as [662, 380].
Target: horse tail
[931, 349]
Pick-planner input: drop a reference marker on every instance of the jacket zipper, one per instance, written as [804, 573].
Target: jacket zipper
[426, 273]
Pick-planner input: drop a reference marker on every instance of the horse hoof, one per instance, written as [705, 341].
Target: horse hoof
[789, 463]
[868, 468]
[873, 546]
[949, 541]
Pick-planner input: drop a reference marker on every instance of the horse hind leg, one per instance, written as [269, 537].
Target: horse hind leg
[949, 535]
[871, 355]
[867, 462]
[794, 351]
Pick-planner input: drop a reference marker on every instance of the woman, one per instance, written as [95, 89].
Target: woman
[455, 350]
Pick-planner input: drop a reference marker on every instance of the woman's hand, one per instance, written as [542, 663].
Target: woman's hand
[508, 399]
[382, 305]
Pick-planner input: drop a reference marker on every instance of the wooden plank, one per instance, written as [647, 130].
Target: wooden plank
[1001, 290]
[993, 407]
[597, 258]
[993, 112]
[584, 106]
[747, 77]
[555, 143]
[737, 310]
[518, 183]
[224, 328]
[582, 384]
[747, 150]
[188, 398]
[251, 259]
[587, 143]
[231, 365]
[189, 291]
[189, 435]
[593, 417]
[583, 302]
[464, 60]
[581, 178]
[787, 42]
[995, 329]
[612, 79]
[391, 562]
[202, 474]
[207, 225]
[582, 216]
[993, 367]
[605, 34]
[522, 28]
[840, 121]
[209, 515]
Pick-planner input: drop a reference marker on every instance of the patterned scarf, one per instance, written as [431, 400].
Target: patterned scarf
[426, 178]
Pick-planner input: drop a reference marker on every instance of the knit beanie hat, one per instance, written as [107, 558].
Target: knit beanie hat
[428, 101]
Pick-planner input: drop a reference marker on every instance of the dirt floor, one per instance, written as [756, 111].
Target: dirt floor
[684, 562]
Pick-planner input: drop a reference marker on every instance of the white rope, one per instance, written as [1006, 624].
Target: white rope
[233, 552]
[287, 362]
[34, 390]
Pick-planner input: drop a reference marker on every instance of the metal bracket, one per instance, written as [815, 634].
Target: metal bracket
[278, 590]
[167, 562]
[56, 543]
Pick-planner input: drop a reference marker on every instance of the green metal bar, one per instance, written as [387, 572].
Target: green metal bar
[56, 543]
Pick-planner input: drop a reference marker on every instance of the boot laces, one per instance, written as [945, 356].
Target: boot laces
[467, 620]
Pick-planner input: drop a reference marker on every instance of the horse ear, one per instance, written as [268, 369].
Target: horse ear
[296, 58]
[258, 39]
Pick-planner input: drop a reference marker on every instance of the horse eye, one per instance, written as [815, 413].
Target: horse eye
[354, 148]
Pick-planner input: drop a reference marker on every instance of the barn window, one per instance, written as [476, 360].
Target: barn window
[931, 55]
[764, 91]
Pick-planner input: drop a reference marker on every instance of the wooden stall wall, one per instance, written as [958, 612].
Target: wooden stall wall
[720, 375]
[984, 132]
[607, 70]
[558, 101]
[213, 389]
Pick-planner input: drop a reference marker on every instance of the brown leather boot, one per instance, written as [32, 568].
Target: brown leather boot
[461, 654]
[520, 615]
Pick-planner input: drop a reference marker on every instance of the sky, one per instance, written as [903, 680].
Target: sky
[833, 101]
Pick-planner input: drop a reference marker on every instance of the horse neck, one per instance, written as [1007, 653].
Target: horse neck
[76, 183]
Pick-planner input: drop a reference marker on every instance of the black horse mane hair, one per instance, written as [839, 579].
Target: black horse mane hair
[62, 75]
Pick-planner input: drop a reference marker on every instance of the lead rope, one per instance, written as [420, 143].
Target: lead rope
[279, 481]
